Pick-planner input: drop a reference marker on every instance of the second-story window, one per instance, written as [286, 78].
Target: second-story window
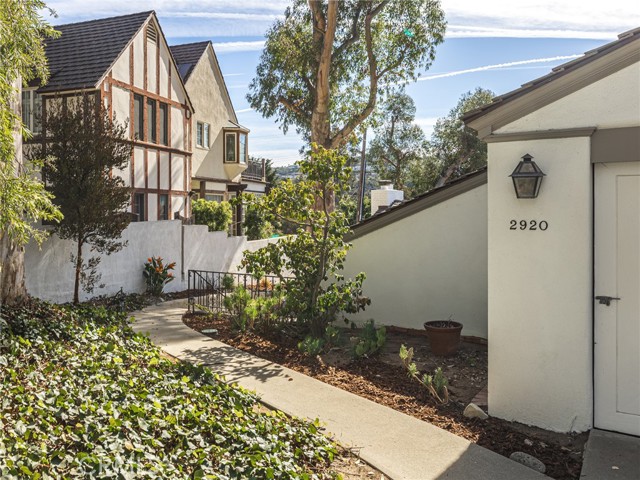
[242, 148]
[151, 121]
[164, 124]
[230, 148]
[202, 134]
[138, 117]
[32, 111]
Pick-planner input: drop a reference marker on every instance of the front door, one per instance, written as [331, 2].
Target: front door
[617, 275]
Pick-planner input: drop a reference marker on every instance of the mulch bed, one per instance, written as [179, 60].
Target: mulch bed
[383, 380]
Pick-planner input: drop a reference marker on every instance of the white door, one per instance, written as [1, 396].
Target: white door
[617, 275]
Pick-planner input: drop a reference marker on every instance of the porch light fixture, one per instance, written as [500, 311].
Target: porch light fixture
[527, 178]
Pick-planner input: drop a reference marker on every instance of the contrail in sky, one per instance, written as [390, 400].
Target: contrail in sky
[497, 66]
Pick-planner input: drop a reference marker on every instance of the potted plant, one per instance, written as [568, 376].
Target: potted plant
[444, 336]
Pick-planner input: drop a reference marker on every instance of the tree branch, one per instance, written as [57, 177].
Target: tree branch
[291, 105]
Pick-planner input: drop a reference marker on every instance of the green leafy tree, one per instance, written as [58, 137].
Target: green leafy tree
[455, 148]
[316, 254]
[325, 63]
[216, 215]
[256, 224]
[23, 198]
[83, 148]
[399, 143]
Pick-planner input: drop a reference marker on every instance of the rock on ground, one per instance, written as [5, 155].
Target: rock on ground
[528, 461]
[474, 411]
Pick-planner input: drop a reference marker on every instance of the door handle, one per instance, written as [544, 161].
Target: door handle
[605, 300]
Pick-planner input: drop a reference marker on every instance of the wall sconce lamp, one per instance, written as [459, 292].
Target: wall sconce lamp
[527, 178]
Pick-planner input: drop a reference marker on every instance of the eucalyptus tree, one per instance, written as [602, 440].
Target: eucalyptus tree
[325, 63]
[23, 198]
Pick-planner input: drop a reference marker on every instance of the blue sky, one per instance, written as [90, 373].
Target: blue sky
[494, 44]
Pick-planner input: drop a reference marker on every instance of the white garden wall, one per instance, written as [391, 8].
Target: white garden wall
[428, 266]
[50, 275]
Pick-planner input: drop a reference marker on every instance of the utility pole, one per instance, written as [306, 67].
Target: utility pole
[363, 168]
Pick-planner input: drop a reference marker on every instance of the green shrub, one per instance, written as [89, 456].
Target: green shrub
[228, 283]
[370, 341]
[435, 384]
[256, 225]
[237, 303]
[83, 396]
[311, 346]
[216, 215]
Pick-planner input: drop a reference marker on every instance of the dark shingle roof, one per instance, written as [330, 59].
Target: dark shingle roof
[557, 72]
[187, 56]
[83, 53]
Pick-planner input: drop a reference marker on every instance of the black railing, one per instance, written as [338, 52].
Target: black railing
[207, 290]
[254, 171]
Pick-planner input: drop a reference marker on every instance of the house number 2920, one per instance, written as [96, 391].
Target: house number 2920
[528, 225]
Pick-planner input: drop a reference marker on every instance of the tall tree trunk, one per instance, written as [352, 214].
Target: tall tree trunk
[12, 286]
[76, 286]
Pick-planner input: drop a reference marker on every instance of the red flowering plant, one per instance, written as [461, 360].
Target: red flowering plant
[157, 275]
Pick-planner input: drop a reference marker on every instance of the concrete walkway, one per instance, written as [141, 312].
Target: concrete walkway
[611, 456]
[400, 446]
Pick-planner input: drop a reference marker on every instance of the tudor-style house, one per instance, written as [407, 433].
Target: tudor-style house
[126, 61]
[221, 168]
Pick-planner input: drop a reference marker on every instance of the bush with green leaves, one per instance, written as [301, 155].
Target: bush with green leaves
[435, 384]
[237, 303]
[370, 340]
[216, 215]
[83, 396]
[256, 225]
[316, 254]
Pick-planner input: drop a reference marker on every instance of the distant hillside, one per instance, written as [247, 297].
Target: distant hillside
[287, 171]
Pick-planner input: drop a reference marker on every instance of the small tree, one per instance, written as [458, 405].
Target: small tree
[83, 148]
[216, 215]
[454, 147]
[398, 142]
[316, 255]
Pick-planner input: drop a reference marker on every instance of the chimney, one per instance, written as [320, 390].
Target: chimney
[384, 196]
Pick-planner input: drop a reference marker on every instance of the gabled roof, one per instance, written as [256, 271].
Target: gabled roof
[421, 202]
[590, 67]
[85, 51]
[187, 56]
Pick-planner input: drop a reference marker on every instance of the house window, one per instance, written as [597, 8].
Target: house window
[138, 117]
[242, 147]
[202, 134]
[138, 207]
[151, 121]
[199, 133]
[230, 148]
[214, 197]
[163, 207]
[32, 111]
[164, 124]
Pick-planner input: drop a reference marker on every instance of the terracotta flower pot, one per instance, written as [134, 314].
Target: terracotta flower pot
[444, 336]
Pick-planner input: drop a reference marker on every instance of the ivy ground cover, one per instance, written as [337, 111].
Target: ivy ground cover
[83, 396]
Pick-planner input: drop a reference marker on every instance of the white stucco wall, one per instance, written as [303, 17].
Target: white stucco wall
[593, 105]
[540, 282]
[50, 275]
[428, 266]
[540, 288]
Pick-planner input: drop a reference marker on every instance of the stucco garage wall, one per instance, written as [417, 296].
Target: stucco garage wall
[428, 266]
[50, 275]
[540, 287]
